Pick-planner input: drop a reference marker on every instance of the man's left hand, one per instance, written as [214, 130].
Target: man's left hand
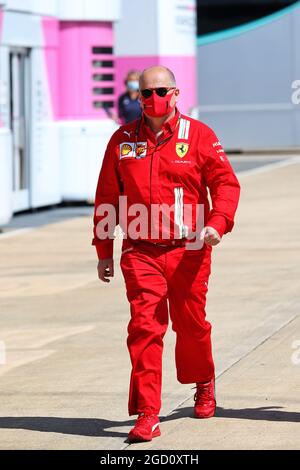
[210, 236]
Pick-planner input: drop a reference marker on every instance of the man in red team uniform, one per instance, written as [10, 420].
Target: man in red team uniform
[170, 160]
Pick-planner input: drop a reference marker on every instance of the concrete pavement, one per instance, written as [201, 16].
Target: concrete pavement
[64, 369]
[258, 404]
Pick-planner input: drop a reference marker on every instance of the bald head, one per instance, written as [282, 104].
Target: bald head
[157, 76]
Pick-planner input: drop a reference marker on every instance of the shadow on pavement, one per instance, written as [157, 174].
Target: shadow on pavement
[101, 427]
[77, 426]
[264, 413]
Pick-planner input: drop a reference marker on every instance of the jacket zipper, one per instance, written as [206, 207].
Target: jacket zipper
[151, 179]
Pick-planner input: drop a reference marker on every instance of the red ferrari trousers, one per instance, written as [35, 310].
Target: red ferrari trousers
[161, 281]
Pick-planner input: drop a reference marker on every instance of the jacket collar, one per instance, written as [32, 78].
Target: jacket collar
[168, 126]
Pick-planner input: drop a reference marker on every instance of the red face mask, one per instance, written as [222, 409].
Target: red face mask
[157, 106]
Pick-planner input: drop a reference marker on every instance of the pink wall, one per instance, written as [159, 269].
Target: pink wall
[183, 67]
[69, 57]
[51, 40]
[75, 68]
[1, 24]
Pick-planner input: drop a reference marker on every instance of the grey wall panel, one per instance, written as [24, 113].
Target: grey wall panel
[252, 130]
[252, 71]
[251, 68]
[296, 71]
[296, 44]
[297, 126]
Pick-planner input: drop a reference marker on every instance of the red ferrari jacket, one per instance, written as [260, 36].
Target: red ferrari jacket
[175, 169]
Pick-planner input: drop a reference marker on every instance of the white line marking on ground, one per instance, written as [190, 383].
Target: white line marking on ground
[269, 167]
[14, 233]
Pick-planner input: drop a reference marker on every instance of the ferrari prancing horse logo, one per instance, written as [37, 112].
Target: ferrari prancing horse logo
[182, 149]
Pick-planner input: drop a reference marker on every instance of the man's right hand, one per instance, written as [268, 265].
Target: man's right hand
[105, 269]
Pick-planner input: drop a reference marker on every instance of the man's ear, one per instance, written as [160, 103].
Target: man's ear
[141, 101]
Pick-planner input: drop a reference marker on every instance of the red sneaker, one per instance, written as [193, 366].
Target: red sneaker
[146, 427]
[205, 400]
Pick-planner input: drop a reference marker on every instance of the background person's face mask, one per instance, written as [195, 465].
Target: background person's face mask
[132, 85]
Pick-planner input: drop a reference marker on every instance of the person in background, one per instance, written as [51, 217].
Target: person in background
[129, 107]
